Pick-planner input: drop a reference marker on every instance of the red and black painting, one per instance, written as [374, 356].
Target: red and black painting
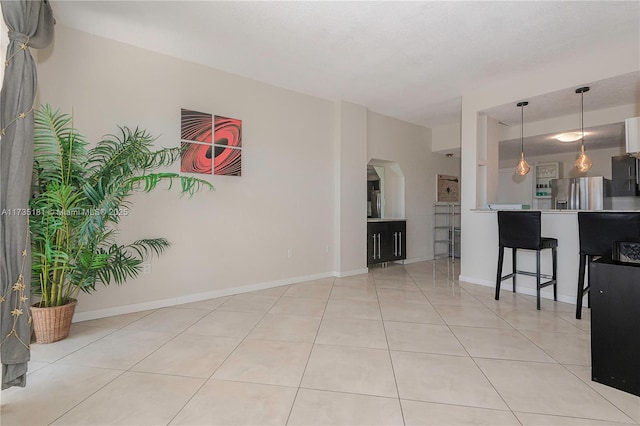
[210, 145]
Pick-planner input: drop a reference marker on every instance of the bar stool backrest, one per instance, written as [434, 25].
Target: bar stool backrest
[520, 229]
[599, 230]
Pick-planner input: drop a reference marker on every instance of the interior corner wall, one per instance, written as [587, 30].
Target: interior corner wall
[240, 234]
[351, 189]
[409, 145]
[445, 138]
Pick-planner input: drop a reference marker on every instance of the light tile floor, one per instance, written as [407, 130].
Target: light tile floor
[401, 345]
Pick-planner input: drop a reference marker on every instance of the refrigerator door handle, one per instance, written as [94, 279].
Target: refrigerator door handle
[571, 196]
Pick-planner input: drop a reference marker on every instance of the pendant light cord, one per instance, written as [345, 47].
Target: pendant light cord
[582, 119]
[522, 128]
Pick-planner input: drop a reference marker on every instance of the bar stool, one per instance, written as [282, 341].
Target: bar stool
[522, 230]
[597, 232]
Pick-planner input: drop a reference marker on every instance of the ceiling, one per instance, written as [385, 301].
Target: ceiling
[598, 137]
[615, 91]
[611, 92]
[410, 60]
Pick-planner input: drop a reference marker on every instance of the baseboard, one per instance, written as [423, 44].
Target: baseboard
[416, 260]
[197, 297]
[474, 280]
[545, 294]
[345, 274]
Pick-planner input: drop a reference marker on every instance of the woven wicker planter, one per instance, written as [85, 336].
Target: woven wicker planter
[52, 324]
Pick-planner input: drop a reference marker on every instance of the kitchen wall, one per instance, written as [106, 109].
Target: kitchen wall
[521, 191]
[601, 159]
[303, 182]
[479, 241]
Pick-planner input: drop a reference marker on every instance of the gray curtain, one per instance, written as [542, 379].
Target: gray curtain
[30, 24]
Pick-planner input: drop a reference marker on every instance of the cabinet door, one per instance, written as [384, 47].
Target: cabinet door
[615, 326]
[396, 241]
[624, 176]
[374, 242]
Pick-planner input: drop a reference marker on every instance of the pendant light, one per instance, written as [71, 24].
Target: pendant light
[583, 163]
[522, 168]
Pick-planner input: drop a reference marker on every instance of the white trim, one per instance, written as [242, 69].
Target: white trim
[163, 303]
[545, 294]
[416, 260]
[345, 274]
[479, 281]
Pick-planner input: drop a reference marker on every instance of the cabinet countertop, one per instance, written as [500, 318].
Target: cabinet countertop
[554, 211]
[384, 219]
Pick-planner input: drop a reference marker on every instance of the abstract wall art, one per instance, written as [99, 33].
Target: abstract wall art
[210, 145]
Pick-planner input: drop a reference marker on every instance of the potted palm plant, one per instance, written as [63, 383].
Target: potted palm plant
[80, 195]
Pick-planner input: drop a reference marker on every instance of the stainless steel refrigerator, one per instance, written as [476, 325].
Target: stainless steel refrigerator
[583, 193]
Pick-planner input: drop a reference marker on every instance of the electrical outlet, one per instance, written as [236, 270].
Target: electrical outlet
[146, 268]
[290, 253]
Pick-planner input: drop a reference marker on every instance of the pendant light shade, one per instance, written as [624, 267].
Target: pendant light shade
[583, 163]
[522, 168]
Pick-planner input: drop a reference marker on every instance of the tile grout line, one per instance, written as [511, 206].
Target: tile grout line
[206, 380]
[122, 372]
[313, 344]
[384, 329]
[478, 367]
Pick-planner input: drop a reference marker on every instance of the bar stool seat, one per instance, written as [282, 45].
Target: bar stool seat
[522, 230]
[597, 232]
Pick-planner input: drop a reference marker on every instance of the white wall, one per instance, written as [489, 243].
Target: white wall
[351, 180]
[239, 234]
[303, 184]
[446, 138]
[410, 146]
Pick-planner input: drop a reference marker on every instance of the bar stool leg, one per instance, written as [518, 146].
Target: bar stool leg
[538, 278]
[554, 254]
[583, 260]
[499, 277]
[513, 255]
[589, 259]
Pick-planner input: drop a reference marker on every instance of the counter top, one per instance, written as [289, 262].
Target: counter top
[557, 211]
[384, 219]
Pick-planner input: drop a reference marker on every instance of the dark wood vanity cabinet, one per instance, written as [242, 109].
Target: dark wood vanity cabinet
[386, 241]
[624, 176]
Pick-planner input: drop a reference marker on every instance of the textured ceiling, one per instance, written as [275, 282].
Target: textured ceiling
[410, 60]
[597, 137]
[620, 90]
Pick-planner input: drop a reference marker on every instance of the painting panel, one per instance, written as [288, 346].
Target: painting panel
[195, 126]
[196, 158]
[227, 161]
[227, 131]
